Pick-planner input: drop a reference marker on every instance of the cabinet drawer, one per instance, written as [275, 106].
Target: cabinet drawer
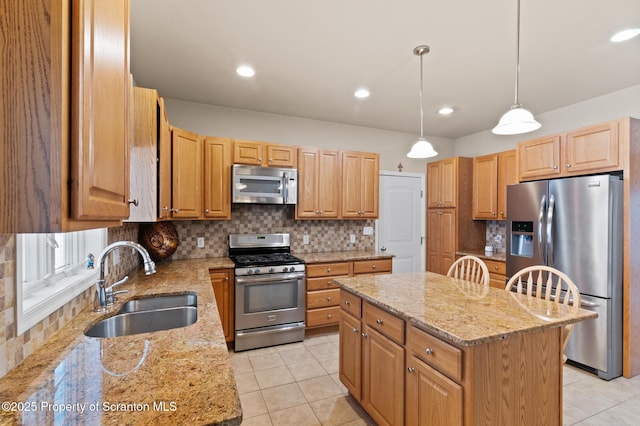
[323, 298]
[439, 354]
[322, 283]
[323, 316]
[496, 267]
[371, 266]
[328, 269]
[388, 324]
[351, 303]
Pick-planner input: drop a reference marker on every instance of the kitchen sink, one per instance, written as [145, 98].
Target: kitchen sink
[160, 302]
[126, 324]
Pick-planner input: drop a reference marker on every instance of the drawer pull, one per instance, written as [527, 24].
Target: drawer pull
[355, 330]
[329, 282]
[346, 302]
[429, 351]
[411, 370]
[495, 267]
[379, 321]
[329, 299]
[329, 316]
[328, 269]
[373, 266]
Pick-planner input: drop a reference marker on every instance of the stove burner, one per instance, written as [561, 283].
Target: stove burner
[269, 259]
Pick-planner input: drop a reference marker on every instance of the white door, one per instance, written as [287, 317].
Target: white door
[401, 223]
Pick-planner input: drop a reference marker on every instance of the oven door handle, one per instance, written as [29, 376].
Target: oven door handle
[255, 279]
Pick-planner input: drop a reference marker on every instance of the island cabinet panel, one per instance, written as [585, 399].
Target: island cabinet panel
[384, 322]
[382, 378]
[350, 358]
[432, 398]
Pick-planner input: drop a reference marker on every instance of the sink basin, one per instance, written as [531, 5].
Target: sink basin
[160, 302]
[126, 324]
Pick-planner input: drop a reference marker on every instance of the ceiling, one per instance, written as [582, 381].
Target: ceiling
[311, 56]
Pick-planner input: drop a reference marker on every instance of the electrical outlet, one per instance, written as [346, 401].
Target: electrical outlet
[200, 242]
[352, 238]
[368, 230]
[305, 239]
[497, 238]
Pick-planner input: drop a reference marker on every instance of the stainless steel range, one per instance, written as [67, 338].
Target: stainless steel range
[269, 291]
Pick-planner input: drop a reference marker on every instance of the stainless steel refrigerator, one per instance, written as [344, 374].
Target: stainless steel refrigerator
[575, 225]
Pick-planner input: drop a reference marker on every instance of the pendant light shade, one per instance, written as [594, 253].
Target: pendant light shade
[422, 148]
[517, 120]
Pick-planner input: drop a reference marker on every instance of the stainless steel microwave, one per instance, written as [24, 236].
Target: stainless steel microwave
[264, 185]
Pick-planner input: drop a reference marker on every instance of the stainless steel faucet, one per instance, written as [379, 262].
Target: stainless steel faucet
[105, 296]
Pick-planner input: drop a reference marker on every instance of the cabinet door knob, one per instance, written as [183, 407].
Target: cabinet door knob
[379, 321]
[355, 330]
[206, 210]
[568, 165]
[411, 370]
[429, 351]
[555, 167]
[346, 302]
[134, 202]
[364, 334]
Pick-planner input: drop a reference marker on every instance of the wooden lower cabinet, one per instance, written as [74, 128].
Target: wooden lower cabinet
[426, 380]
[222, 282]
[382, 378]
[431, 397]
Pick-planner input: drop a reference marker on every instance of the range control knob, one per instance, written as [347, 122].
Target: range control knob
[272, 270]
[257, 270]
[285, 269]
[249, 271]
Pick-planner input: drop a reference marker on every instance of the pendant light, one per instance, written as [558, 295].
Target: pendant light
[517, 120]
[422, 148]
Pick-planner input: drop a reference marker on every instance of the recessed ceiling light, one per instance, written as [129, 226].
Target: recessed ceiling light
[245, 71]
[625, 35]
[445, 110]
[361, 93]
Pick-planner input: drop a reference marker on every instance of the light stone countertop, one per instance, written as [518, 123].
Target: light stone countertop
[342, 256]
[179, 376]
[459, 311]
[498, 256]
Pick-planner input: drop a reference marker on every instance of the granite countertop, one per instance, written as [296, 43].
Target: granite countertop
[498, 256]
[342, 256]
[459, 311]
[179, 376]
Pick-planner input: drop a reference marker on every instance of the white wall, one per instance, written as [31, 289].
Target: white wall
[623, 103]
[392, 146]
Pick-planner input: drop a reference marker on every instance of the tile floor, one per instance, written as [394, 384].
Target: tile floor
[298, 384]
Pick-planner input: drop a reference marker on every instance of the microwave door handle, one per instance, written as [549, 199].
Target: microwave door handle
[550, 213]
[541, 246]
[285, 189]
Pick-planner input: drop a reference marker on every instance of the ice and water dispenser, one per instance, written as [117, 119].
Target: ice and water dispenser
[522, 239]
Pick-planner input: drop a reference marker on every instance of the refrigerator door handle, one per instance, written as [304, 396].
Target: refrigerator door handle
[552, 203]
[586, 304]
[541, 246]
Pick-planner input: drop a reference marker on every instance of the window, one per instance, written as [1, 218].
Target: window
[52, 269]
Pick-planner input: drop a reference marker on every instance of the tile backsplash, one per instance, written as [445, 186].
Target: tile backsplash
[497, 234]
[324, 235]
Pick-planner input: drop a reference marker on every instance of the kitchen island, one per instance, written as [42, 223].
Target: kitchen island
[178, 376]
[422, 348]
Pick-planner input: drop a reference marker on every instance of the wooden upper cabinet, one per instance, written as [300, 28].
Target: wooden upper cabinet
[442, 182]
[360, 185]
[164, 162]
[150, 158]
[187, 175]
[264, 154]
[100, 110]
[485, 187]
[318, 184]
[539, 158]
[593, 148]
[217, 162]
[64, 149]
[491, 175]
